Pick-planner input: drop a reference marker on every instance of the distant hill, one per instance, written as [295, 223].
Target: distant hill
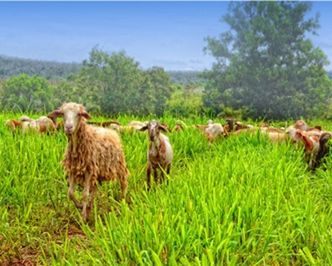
[185, 77]
[12, 66]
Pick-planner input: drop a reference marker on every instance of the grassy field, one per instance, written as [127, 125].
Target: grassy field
[240, 201]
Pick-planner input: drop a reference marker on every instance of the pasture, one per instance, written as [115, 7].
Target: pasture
[243, 201]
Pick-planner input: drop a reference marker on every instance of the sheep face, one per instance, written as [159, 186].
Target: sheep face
[72, 114]
[300, 124]
[153, 128]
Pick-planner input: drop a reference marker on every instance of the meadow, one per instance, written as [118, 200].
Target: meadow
[241, 201]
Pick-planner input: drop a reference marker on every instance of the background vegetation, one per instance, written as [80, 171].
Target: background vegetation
[266, 66]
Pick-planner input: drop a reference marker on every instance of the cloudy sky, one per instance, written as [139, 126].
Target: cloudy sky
[167, 34]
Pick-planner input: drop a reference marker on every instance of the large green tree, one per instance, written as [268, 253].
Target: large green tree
[161, 88]
[118, 85]
[117, 82]
[266, 63]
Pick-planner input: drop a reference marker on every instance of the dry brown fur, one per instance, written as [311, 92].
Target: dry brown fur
[93, 154]
[99, 155]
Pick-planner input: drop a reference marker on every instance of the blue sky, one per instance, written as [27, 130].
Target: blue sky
[167, 34]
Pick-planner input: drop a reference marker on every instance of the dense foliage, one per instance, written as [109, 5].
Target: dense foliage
[24, 93]
[266, 64]
[121, 86]
[265, 67]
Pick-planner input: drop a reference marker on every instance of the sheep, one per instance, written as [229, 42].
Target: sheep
[42, 125]
[136, 125]
[229, 126]
[239, 126]
[213, 131]
[311, 147]
[115, 125]
[236, 127]
[160, 152]
[93, 155]
[133, 126]
[323, 148]
[13, 124]
[276, 137]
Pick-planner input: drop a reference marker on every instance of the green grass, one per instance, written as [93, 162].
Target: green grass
[241, 201]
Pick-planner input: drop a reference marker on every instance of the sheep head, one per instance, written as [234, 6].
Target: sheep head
[154, 128]
[72, 114]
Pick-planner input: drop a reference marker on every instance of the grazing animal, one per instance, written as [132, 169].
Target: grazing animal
[160, 152]
[41, 125]
[324, 148]
[213, 131]
[133, 126]
[311, 147]
[300, 124]
[13, 124]
[276, 137]
[93, 155]
[136, 125]
[229, 126]
[110, 124]
[239, 126]
[236, 127]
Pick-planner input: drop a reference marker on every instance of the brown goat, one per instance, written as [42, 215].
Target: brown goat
[160, 153]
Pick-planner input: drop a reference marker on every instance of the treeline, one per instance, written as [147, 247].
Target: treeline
[12, 66]
[265, 67]
[107, 84]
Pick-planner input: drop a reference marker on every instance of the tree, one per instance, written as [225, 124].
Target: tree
[265, 62]
[161, 88]
[117, 82]
[186, 100]
[24, 93]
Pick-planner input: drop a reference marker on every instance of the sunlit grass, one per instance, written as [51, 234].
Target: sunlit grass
[240, 201]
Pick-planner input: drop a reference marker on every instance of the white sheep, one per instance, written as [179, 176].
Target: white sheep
[41, 125]
[213, 131]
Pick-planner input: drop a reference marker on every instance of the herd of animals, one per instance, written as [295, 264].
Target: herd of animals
[94, 151]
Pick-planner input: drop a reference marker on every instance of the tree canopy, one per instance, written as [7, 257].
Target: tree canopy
[24, 93]
[266, 63]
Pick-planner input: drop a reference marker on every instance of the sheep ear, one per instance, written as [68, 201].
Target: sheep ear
[163, 128]
[55, 114]
[143, 128]
[85, 114]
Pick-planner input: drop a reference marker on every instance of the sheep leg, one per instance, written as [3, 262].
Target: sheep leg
[71, 193]
[155, 174]
[92, 196]
[162, 175]
[168, 169]
[124, 186]
[86, 198]
[148, 176]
